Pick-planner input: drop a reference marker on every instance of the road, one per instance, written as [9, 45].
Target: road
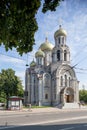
[57, 120]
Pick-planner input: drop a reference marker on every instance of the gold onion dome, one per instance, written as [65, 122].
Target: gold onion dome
[33, 63]
[46, 46]
[39, 53]
[60, 32]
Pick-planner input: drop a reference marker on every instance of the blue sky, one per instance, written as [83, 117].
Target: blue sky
[74, 20]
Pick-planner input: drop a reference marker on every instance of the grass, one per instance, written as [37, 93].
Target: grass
[37, 106]
[40, 106]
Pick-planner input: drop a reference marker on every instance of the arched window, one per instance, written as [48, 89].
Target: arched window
[63, 40]
[58, 55]
[54, 95]
[46, 81]
[46, 96]
[69, 81]
[65, 80]
[53, 56]
[39, 60]
[65, 55]
[59, 40]
[61, 81]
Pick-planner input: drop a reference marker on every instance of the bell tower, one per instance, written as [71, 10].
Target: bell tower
[61, 52]
[60, 36]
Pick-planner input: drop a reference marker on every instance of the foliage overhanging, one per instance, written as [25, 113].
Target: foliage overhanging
[18, 22]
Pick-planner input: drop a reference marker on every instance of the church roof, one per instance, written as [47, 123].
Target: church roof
[46, 46]
[39, 53]
[60, 32]
[33, 63]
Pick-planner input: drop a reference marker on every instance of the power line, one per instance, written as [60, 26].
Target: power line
[19, 58]
[81, 72]
[79, 52]
[80, 61]
[14, 51]
[83, 69]
[12, 56]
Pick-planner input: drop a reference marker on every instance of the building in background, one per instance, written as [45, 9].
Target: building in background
[51, 80]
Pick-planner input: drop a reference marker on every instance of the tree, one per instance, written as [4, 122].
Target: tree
[10, 85]
[2, 97]
[18, 22]
[83, 95]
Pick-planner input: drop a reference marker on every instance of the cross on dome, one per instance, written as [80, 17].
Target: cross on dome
[60, 21]
[46, 39]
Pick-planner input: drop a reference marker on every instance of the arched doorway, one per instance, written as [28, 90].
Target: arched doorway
[69, 95]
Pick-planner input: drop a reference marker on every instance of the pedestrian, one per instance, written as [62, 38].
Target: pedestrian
[30, 107]
[79, 105]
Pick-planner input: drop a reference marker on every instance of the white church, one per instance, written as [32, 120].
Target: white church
[51, 80]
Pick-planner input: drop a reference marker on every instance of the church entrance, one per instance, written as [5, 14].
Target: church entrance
[67, 98]
[69, 95]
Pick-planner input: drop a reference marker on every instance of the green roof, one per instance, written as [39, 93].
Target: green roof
[60, 32]
[32, 64]
[39, 53]
[46, 46]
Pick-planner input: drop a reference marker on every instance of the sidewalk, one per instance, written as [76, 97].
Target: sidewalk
[39, 110]
[32, 110]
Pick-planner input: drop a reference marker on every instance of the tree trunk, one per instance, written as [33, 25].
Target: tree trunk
[7, 99]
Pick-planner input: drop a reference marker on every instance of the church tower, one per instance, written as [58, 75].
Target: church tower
[47, 47]
[61, 51]
[39, 57]
[64, 81]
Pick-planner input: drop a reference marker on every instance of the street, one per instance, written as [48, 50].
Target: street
[58, 120]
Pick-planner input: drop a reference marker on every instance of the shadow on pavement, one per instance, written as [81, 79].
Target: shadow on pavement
[77, 126]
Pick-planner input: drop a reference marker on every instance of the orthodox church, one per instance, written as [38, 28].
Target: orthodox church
[51, 80]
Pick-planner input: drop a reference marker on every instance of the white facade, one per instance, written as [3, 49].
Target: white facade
[51, 80]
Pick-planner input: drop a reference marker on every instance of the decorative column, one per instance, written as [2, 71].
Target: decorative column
[57, 90]
[40, 90]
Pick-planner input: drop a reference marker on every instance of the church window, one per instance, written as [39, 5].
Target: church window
[41, 72]
[65, 55]
[63, 40]
[48, 58]
[53, 57]
[69, 81]
[61, 80]
[47, 80]
[54, 96]
[59, 40]
[38, 61]
[46, 96]
[58, 55]
[65, 80]
[34, 90]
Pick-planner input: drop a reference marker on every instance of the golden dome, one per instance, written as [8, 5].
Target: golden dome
[46, 46]
[39, 53]
[33, 63]
[60, 32]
